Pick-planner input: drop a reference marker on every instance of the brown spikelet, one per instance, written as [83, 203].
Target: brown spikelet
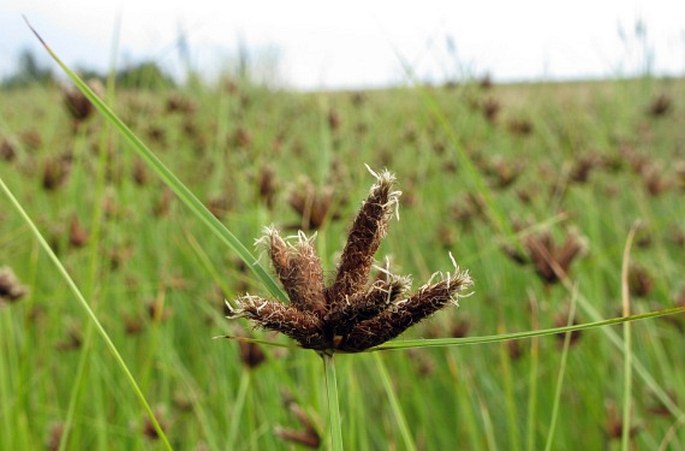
[299, 269]
[301, 326]
[368, 229]
[399, 317]
[309, 276]
[278, 251]
[363, 306]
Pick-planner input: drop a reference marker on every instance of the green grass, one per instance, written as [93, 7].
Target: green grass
[441, 147]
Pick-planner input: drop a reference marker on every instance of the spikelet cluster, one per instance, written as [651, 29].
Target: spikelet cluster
[352, 313]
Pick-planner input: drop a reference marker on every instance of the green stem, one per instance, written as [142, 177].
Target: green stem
[334, 423]
[238, 407]
[395, 405]
[560, 377]
[533, 380]
[627, 342]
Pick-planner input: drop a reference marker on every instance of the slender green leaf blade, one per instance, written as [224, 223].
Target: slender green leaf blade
[173, 182]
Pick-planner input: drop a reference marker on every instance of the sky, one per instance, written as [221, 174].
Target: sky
[355, 44]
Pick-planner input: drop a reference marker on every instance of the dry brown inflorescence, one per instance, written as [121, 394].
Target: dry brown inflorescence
[352, 313]
[11, 290]
[551, 261]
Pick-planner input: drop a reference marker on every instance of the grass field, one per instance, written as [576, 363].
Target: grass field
[492, 174]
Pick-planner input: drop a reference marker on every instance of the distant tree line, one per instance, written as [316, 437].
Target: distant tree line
[146, 74]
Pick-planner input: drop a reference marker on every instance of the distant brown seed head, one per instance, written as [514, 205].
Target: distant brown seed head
[54, 438]
[55, 172]
[77, 104]
[614, 424]
[78, 235]
[251, 354]
[491, 108]
[308, 436]
[7, 151]
[640, 281]
[32, 139]
[661, 105]
[148, 428]
[561, 320]
[11, 290]
[334, 120]
[177, 103]
[520, 127]
[551, 261]
[268, 186]
[314, 205]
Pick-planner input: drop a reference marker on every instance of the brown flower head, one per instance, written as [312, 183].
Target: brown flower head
[78, 234]
[491, 108]
[177, 103]
[551, 261]
[640, 281]
[614, 423]
[314, 205]
[268, 186]
[351, 314]
[519, 127]
[7, 151]
[77, 104]
[148, 428]
[660, 106]
[503, 173]
[56, 171]
[11, 290]
[308, 436]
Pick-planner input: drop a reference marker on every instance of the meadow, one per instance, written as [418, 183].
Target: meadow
[534, 188]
